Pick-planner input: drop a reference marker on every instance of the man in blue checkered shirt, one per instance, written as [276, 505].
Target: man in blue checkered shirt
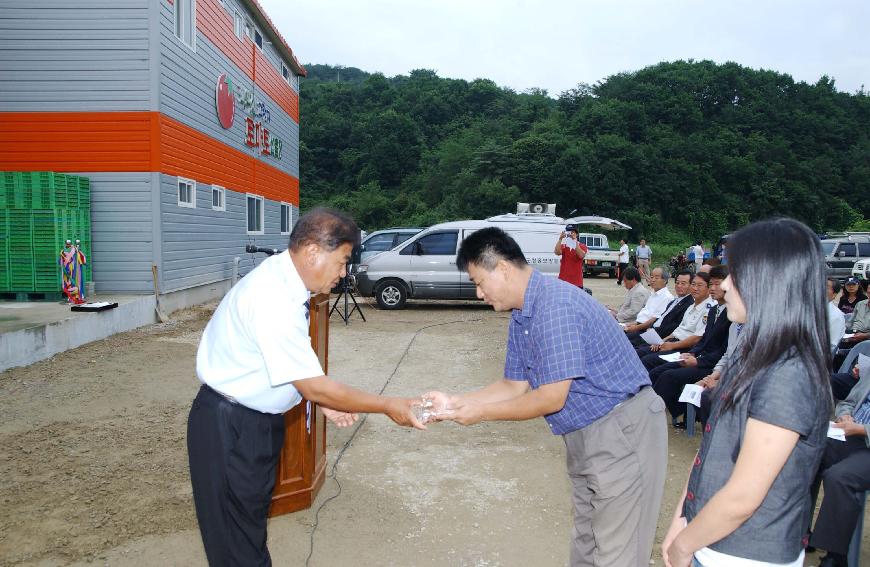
[570, 362]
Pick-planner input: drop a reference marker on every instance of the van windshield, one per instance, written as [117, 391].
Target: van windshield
[828, 247]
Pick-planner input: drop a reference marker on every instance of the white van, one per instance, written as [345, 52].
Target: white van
[424, 266]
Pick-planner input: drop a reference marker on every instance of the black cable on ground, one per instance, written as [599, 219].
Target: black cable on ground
[332, 473]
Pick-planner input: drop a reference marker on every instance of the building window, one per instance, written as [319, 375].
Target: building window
[249, 29]
[286, 218]
[185, 21]
[258, 39]
[239, 25]
[218, 198]
[285, 72]
[186, 193]
[255, 214]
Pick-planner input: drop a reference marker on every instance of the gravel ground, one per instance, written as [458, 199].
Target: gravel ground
[93, 466]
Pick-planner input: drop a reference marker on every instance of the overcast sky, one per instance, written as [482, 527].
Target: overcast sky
[555, 44]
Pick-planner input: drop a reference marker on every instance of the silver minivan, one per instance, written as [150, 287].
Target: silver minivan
[425, 266]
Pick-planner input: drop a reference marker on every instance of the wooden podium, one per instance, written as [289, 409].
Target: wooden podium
[302, 466]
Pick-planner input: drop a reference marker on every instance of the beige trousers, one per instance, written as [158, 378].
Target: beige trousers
[617, 467]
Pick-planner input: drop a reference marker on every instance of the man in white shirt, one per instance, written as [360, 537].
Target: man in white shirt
[656, 303]
[692, 326]
[623, 260]
[836, 320]
[255, 362]
[698, 252]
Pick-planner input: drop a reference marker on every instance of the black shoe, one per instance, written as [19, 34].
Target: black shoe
[679, 425]
[834, 560]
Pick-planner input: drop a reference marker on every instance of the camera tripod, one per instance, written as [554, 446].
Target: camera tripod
[347, 285]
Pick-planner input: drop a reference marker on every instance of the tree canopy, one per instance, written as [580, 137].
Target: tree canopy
[686, 149]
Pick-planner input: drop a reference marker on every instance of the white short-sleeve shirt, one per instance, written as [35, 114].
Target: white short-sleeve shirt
[623, 254]
[257, 342]
[693, 322]
[655, 305]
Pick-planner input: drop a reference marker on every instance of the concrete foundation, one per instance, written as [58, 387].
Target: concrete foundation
[30, 332]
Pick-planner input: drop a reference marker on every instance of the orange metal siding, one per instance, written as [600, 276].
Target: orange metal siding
[130, 142]
[216, 24]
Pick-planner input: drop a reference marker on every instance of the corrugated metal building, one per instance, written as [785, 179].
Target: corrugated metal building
[184, 114]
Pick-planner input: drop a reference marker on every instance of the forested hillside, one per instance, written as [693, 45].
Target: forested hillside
[677, 150]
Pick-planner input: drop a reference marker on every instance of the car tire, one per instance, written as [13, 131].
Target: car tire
[391, 294]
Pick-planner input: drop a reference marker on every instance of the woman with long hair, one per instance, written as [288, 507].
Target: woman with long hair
[747, 498]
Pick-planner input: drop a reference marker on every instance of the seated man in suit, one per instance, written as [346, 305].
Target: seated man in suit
[635, 299]
[673, 313]
[845, 473]
[690, 330]
[670, 379]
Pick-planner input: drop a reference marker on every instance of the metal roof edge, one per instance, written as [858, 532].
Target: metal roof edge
[266, 22]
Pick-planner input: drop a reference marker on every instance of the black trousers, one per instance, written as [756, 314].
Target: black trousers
[622, 267]
[841, 384]
[670, 383]
[845, 472]
[233, 452]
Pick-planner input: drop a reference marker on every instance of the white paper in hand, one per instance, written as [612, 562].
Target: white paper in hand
[569, 242]
[692, 394]
[651, 337]
[673, 357]
[836, 432]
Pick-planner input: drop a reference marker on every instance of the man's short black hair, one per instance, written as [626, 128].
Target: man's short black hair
[685, 273]
[631, 274]
[719, 272]
[486, 247]
[704, 276]
[836, 286]
[328, 228]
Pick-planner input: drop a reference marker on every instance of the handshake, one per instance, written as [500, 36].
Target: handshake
[417, 412]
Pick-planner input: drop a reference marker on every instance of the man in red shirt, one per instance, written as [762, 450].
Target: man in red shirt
[572, 252]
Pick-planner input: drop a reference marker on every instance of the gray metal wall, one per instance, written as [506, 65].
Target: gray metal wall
[123, 231]
[199, 244]
[64, 55]
[187, 94]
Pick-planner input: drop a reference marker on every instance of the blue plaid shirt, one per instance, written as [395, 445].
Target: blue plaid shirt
[561, 333]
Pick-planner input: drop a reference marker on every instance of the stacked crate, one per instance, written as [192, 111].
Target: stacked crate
[39, 211]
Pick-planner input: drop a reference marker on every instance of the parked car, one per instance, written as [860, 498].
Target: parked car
[842, 253]
[600, 259]
[424, 267]
[386, 239]
[861, 269]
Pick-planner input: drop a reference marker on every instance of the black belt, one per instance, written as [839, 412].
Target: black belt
[230, 399]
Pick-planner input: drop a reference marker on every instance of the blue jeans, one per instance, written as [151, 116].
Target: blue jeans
[696, 563]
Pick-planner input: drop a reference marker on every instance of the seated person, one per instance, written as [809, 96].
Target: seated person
[711, 380]
[655, 304]
[860, 329]
[673, 313]
[669, 379]
[836, 321]
[634, 299]
[845, 474]
[852, 294]
[690, 330]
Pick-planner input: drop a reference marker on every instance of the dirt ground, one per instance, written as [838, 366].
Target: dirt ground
[93, 464]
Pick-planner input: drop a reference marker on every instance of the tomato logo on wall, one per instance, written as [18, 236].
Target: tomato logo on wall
[225, 102]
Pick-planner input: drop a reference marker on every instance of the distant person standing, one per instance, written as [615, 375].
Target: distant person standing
[644, 256]
[623, 260]
[572, 252]
[698, 251]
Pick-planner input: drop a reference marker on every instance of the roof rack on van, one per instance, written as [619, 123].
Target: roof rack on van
[846, 234]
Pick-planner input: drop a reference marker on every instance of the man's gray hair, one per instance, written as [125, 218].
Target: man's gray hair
[666, 273]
